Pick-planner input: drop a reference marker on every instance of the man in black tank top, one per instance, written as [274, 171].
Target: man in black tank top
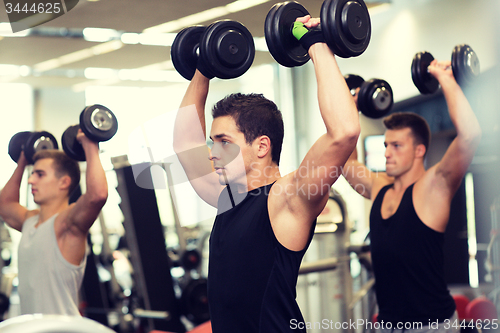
[411, 208]
[265, 221]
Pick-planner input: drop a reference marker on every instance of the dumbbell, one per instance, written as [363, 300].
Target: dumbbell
[98, 124]
[345, 25]
[30, 143]
[226, 47]
[464, 64]
[375, 98]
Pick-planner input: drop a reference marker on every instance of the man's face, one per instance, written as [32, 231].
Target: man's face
[44, 182]
[230, 154]
[399, 151]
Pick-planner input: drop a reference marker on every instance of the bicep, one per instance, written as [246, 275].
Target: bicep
[454, 164]
[200, 173]
[362, 179]
[83, 213]
[14, 215]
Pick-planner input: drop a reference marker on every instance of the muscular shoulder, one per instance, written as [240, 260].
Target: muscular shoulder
[380, 180]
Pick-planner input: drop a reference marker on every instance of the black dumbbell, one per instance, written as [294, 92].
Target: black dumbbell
[345, 25]
[98, 124]
[464, 64]
[30, 143]
[375, 98]
[226, 47]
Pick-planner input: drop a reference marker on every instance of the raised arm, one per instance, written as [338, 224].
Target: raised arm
[190, 141]
[362, 179]
[323, 162]
[455, 162]
[85, 211]
[10, 209]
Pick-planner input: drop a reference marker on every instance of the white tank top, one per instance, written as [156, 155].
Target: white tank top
[48, 283]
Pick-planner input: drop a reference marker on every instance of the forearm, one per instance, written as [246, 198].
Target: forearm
[336, 104]
[196, 95]
[95, 177]
[10, 192]
[460, 111]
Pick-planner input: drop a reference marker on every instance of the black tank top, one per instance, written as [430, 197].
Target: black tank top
[408, 265]
[251, 277]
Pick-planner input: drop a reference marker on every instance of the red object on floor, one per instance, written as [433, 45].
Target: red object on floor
[481, 308]
[375, 318]
[461, 303]
[203, 328]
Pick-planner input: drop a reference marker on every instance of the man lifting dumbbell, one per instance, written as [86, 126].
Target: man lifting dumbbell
[411, 208]
[52, 250]
[265, 221]
[373, 98]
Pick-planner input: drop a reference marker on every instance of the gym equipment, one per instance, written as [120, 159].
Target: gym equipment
[30, 143]
[97, 122]
[226, 48]
[194, 301]
[330, 258]
[375, 97]
[145, 238]
[345, 25]
[464, 64]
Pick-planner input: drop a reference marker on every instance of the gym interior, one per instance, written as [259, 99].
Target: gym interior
[147, 262]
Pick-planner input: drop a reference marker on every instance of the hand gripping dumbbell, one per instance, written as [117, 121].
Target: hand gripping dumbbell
[30, 143]
[375, 98]
[225, 47]
[98, 124]
[464, 64]
[345, 25]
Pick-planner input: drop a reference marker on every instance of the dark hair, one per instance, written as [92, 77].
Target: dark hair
[419, 127]
[62, 164]
[254, 115]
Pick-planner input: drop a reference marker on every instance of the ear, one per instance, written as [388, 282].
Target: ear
[64, 182]
[263, 145]
[420, 151]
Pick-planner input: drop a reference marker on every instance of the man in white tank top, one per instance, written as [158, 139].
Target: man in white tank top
[54, 237]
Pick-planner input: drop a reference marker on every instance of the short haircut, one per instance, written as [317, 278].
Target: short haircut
[417, 124]
[63, 166]
[254, 115]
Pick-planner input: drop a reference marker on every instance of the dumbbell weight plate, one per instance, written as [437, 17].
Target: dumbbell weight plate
[195, 301]
[38, 141]
[425, 82]
[346, 26]
[184, 50]
[17, 143]
[465, 64]
[353, 82]
[227, 48]
[375, 98]
[98, 123]
[70, 144]
[282, 45]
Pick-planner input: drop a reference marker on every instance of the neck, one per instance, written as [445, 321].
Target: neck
[261, 175]
[414, 174]
[49, 209]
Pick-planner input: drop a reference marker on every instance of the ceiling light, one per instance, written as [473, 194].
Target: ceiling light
[130, 38]
[206, 15]
[100, 35]
[6, 31]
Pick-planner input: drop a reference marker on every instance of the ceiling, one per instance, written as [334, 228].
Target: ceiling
[133, 16]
